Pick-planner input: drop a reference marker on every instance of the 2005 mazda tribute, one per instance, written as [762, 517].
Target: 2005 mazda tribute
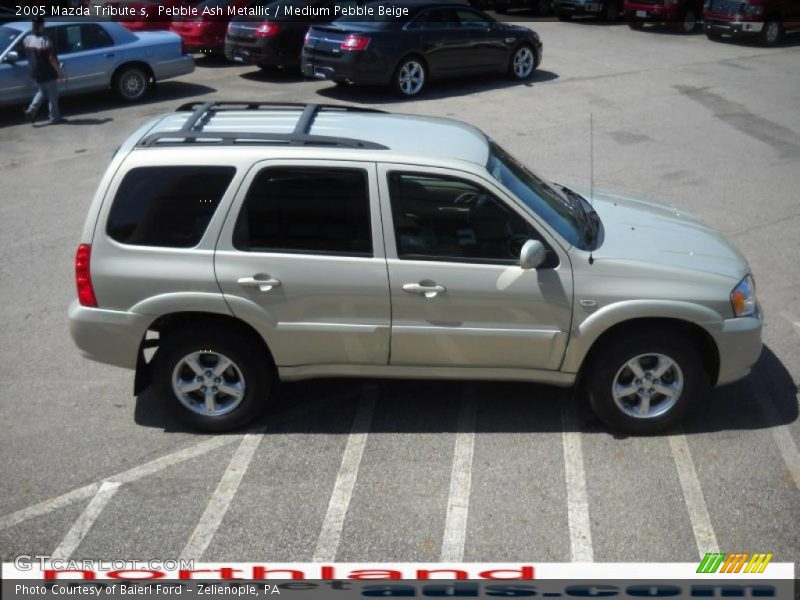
[252, 242]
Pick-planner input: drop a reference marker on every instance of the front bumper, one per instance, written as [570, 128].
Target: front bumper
[739, 345]
[657, 13]
[108, 336]
[733, 28]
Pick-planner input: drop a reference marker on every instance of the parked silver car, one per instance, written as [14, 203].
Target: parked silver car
[255, 242]
[95, 56]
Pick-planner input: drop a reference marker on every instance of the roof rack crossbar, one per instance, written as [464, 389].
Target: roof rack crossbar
[256, 105]
[199, 112]
[303, 125]
[177, 138]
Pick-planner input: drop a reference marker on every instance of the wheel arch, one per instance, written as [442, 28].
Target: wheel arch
[701, 339]
[179, 321]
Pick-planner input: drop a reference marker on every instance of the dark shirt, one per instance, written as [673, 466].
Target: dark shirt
[40, 50]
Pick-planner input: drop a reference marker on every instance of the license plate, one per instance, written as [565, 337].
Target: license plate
[319, 73]
[239, 57]
[641, 13]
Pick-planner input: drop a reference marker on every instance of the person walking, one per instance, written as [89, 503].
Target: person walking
[45, 71]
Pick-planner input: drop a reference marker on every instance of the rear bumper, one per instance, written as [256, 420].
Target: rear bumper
[577, 7]
[739, 345]
[733, 28]
[351, 69]
[165, 69]
[650, 12]
[257, 54]
[107, 336]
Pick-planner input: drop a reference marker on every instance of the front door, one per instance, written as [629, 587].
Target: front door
[301, 258]
[459, 297]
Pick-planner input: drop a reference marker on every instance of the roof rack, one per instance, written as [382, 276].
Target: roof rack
[191, 131]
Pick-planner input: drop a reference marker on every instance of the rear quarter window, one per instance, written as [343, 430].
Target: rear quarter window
[167, 206]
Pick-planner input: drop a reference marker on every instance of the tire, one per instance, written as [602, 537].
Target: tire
[562, 16]
[132, 84]
[522, 63]
[410, 77]
[688, 23]
[637, 25]
[610, 369]
[611, 12]
[772, 34]
[189, 358]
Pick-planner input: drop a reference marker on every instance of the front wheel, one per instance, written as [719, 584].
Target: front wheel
[410, 77]
[772, 34]
[688, 21]
[645, 382]
[132, 84]
[522, 63]
[213, 380]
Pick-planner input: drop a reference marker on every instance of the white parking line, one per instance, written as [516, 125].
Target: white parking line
[580, 529]
[704, 535]
[84, 523]
[780, 433]
[332, 526]
[154, 466]
[455, 525]
[221, 498]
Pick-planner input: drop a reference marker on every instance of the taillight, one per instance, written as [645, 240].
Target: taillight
[308, 37]
[355, 42]
[267, 30]
[83, 276]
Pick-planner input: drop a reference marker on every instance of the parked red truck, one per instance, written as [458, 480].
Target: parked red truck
[682, 14]
[767, 20]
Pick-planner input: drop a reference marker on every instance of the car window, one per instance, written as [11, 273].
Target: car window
[471, 20]
[167, 206]
[449, 219]
[7, 35]
[306, 210]
[438, 18]
[94, 36]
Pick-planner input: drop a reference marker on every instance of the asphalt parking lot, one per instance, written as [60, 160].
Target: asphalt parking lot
[352, 470]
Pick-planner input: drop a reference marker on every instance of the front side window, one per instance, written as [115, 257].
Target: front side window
[472, 20]
[449, 219]
[167, 206]
[309, 210]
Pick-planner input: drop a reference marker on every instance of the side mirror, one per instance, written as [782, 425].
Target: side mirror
[11, 57]
[532, 255]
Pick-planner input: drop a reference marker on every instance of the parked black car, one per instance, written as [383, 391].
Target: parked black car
[277, 40]
[406, 43]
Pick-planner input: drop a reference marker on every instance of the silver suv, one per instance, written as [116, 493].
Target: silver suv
[255, 242]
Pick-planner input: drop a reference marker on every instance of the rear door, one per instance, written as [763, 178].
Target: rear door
[443, 41]
[301, 258]
[87, 53]
[486, 44]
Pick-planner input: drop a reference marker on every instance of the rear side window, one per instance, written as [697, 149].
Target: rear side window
[167, 206]
[308, 210]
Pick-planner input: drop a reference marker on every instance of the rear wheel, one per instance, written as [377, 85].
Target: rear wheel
[213, 380]
[132, 83]
[410, 77]
[646, 381]
[688, 22]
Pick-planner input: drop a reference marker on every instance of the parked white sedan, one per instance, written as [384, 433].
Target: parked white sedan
[95, 56]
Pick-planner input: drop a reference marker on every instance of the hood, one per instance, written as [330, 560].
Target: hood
[662, 235]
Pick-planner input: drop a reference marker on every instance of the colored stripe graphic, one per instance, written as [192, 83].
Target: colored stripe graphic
[721, 562]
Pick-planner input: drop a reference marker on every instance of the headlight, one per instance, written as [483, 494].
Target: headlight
[743, 297]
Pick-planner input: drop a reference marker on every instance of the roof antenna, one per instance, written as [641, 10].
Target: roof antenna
[591, 173]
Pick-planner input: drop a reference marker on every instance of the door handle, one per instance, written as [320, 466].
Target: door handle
[264, 284]
[429, 291]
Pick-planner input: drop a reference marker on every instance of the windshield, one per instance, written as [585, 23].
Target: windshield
[7, 35]
[541, 197]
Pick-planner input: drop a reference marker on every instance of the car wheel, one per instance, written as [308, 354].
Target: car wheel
[645, 382]
[522, 63]
[612, 11]
[132, 83]
[410, 77]
[637, 25]
[215, 381]
[562, 16]
[688, 21]
[772, 34]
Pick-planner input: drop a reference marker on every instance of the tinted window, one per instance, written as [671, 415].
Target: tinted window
[440, 18]
[442, 218]
[94, 36]
[167, 206]
[472, 20]
[78, 38]
[306, 209]
[7, 35]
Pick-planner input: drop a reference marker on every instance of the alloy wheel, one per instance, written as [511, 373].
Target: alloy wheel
[647, 386]
[208, 383]
[133, 85]
[523, 62]
[411, 77]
